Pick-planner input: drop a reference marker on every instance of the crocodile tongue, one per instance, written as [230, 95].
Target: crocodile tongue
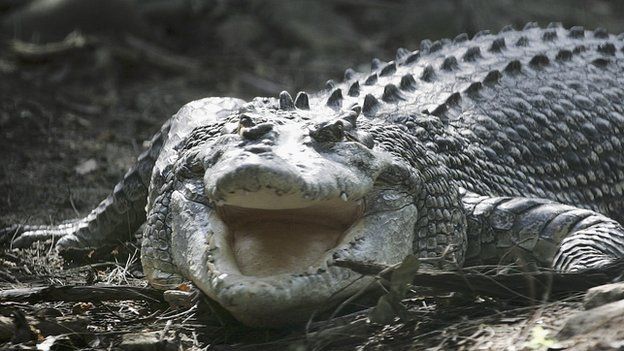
[271, 242]
[274, 247]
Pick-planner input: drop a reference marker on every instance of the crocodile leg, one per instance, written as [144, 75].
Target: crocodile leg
[116, 218]
[540, 232]
[156, 246]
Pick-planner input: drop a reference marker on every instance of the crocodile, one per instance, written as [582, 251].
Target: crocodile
[500, 148]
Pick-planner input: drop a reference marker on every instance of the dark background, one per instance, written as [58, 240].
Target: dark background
[249, 48]
[74, 116]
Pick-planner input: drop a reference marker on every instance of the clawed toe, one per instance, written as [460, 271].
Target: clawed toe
[22, 236]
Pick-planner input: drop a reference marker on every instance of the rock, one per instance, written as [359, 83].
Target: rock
[600, 295]
[602, 317]
[180, 299]
[152, 341]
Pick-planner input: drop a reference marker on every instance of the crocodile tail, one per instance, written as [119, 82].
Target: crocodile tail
[116, 218]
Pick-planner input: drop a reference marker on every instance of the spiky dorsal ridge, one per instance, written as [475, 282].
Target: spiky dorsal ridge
[330, 85]
[549, 35]
[302, 101]
[513, 67]
[536, 62]
[403, 80]
[539, 61]
[286, 102]
[428, 74]
[392, 94]
[564, 55]
[354, 89]
[408, 82]
[449, 64]
[349, 73]
[472, 54]
[498, 45]
[474, 89]
[402, 53]
[372, 79]
[370, 106]
[389, 69]
[335, 99]
[492, 77]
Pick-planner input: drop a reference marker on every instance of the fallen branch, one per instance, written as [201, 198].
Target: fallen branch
[130, 49]
[81, 293]
[478, 280]
[32, 52]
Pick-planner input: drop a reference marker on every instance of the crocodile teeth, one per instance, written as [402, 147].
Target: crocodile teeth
[343, 196]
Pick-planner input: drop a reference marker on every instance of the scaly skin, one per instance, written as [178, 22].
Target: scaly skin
[505, 147]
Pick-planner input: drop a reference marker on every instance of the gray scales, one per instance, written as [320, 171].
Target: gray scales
[501, 148]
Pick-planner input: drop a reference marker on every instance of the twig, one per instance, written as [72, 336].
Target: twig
[522, 284]
[80, 293]
[132, 49]
[31, 52]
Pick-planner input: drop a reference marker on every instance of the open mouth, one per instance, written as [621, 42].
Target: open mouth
[272, 265]
[267, 242]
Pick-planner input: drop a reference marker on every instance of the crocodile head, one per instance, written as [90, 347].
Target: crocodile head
[267, 199]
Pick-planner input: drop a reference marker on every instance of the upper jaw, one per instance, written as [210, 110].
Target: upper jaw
[257, 181]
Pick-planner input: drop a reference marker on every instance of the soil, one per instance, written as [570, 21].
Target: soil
[73, 120]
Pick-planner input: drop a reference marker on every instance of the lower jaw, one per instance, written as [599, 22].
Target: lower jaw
[269, 302]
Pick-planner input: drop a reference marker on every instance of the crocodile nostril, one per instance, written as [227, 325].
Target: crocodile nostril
[257, 149]
[257, 131]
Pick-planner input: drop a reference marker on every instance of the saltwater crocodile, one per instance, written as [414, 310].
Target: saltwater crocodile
[492, 149]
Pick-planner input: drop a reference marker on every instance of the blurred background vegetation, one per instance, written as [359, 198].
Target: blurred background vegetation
[248, 48]
[84, 82]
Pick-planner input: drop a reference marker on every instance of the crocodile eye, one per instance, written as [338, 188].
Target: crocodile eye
[246, 122]
[331, 132]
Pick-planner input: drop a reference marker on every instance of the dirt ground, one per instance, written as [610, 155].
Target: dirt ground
[83, 84]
